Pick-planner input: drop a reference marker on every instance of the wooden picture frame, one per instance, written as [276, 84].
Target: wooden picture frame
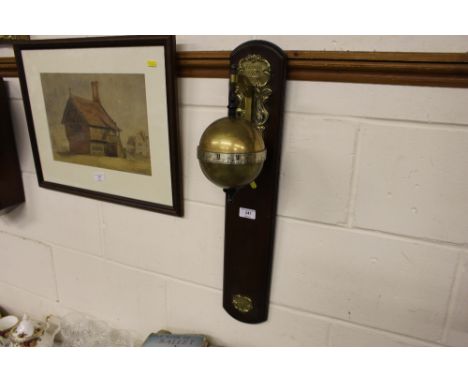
[11, 182]
[103, 120]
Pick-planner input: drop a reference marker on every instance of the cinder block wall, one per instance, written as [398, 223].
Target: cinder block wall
[371, 245]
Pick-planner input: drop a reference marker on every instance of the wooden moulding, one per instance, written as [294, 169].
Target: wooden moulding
[8, 67]
[392, 68]
[420, 69]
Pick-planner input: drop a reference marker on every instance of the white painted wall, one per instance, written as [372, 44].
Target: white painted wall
[372, 235]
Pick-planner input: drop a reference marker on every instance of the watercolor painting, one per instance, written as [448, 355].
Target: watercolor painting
[98, 120]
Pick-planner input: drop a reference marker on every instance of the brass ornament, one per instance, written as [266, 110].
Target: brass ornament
[242, 303]
[252, 91]
[231, 152]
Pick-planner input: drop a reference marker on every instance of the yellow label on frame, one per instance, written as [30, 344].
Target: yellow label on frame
[152, 63]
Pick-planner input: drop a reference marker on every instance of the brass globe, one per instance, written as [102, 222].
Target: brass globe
[231, 152]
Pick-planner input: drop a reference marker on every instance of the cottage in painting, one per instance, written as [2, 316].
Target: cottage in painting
[89, 128]
[138, 145]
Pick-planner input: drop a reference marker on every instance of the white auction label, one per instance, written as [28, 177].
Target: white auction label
[247, 213]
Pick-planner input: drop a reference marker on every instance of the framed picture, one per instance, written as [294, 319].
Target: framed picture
[102, 117]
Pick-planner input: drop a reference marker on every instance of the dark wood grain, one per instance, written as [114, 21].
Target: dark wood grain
[396, 68]
[11, 184]
[8, 67]
[393, 68]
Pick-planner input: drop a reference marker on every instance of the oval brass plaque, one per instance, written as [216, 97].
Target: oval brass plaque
[242, 303]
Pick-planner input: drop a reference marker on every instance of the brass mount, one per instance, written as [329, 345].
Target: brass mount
[253, 76]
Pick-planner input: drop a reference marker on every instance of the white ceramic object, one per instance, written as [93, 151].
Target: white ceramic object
[26, 327]
[7, 323]
[35, 333]
[27, 330]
